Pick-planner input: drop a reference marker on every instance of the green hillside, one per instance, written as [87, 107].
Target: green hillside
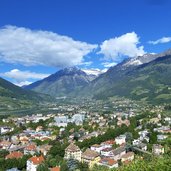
[14, 97]
[147, 82]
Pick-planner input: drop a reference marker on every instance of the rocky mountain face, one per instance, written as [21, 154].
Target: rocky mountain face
[63, 82]
[145, 77]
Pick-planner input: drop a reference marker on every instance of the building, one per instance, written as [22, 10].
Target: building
[90, 157]
[142, 146]
[73, 152]
[157, 149]
[55, 168]
[44, 149]
[97, 148]
[110, 163]
[127, 157]
[5, 129]
[61, 121]
[5, 145]
[120, 139]
[30, 149]
[14, 155]
[34, 162]
[108, 144]
[118, 153]
[107, 152]
[78, 119]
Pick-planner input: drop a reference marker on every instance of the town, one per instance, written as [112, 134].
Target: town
[90, 135]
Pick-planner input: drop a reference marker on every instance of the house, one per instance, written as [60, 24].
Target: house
[5, 129]
[161, 137]
[123, 122]
[44, 149]
[30, 149]
[142, 146]
[110, 163]
[107, 152]
[118, 153]
[127, 157]
[107, 144]
[14, 155]
[157, 149]
[55, 168]
[5, 145]
[13, 169]
[120, 139]
[24, 139]
[143, 134]
[73, 152]
[136, 142]
[61, 121]
[39, 128]
[33, 163]
[78, 119]
[96, 147]
[90, 157]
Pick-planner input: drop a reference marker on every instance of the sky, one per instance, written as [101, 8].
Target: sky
[39, 37]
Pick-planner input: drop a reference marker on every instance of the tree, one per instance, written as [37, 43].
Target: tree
[153, 138]
[42, 167]
[3, 153]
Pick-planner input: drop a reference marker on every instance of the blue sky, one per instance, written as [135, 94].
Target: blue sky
[38, 37]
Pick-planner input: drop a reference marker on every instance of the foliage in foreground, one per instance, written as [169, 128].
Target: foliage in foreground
[154, 164]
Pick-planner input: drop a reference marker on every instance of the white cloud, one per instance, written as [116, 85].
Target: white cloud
[93, 71]
[22, 77]
[34, 47]
[88, 63]
[162, 40]
[23, 83]
[109, 64]
[118, 47]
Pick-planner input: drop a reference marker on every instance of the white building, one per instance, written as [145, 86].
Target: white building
[97, 148]
[61, 121]
[34, 162]
[73, 152]
[110, 163]
[120, 139]
[157, 149]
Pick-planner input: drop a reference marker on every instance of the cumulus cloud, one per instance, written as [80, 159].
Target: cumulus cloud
[93, 71]
[109, 64]
[117, 48]
[161, 40]
[35, 47]
[22, 83]
[21, 77]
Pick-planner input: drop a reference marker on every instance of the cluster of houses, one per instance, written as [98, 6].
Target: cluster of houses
[109, 153]
[102, 154]
[63, 120]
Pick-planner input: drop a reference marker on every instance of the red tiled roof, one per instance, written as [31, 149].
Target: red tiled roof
[108, 161]
[55, 169]
[30, 147]
[37, 160]
[15, 154]
[72, 148]
[109, 142]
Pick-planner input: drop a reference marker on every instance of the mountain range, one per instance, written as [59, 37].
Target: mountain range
[145, 78]
[64, 82]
